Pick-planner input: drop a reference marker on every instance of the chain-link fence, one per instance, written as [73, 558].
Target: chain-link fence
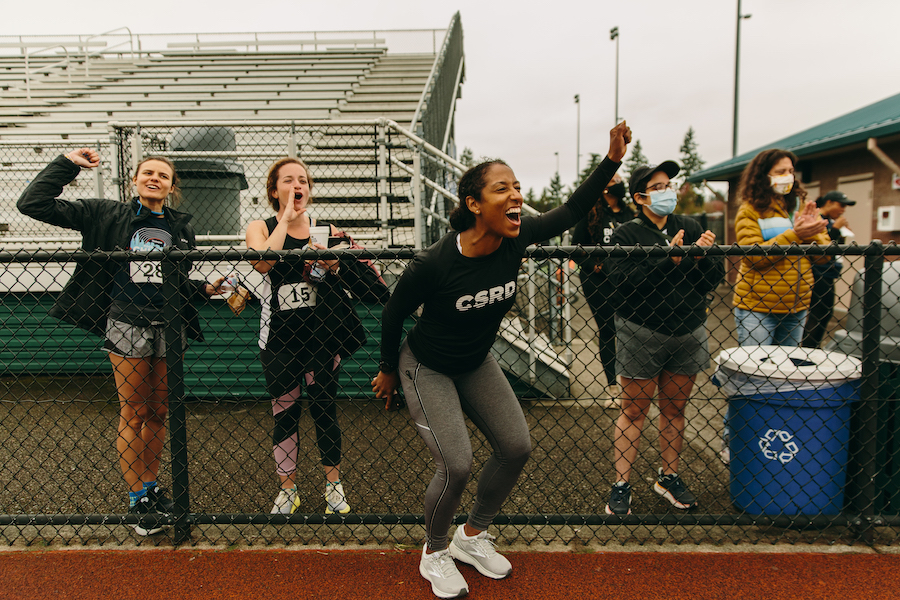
[362, 173]
[790, 448]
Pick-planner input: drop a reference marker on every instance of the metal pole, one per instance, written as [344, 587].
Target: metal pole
[99, 192]
[578, 138]
[384, 208]
[737, 78]
[172, 277]
[416, 185]
[614, 35]
[867, 412]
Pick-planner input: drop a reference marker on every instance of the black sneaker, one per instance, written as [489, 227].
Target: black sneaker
[673, 489]
[146, 507]
[619, 499]
[160, 501]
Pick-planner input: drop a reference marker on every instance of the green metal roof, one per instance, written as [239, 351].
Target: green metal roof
[875, 120]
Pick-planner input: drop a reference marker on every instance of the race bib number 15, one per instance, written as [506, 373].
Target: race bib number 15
[147, 271]
[296, 295]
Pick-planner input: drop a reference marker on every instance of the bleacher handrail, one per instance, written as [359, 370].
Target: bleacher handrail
[130, 43]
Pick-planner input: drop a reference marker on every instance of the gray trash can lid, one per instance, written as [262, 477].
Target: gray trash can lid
[790, 363]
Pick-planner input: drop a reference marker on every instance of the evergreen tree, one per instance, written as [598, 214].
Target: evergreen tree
[467, 157]
[690, 159]
[555, 194]
[635, 159]
[595, 160]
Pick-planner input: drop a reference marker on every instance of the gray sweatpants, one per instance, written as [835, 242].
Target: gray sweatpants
[437, 403]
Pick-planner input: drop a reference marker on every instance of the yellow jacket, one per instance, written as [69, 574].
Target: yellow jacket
[772, 285]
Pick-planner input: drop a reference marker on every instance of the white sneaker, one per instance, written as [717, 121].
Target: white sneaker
[286, 502]
[480, 552]
[335, 499]
[439, 569]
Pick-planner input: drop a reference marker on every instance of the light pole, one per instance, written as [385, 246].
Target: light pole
[578, 138]
[737, 70]
[614, 35]
[557, 161]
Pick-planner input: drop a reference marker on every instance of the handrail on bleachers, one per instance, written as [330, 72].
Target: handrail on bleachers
[250, 43]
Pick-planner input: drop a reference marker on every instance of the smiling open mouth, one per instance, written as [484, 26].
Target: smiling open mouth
[514, 215]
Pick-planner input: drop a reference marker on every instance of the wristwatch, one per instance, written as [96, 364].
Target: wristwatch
[386, 367]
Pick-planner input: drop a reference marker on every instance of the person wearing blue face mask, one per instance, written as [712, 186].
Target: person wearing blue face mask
[660, 330]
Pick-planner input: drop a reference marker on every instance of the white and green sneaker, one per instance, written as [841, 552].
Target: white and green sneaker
[335, 499]
[481, 553]
[439, 569]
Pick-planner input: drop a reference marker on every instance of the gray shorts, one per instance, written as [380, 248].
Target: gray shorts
[642, 353]
[133, 341]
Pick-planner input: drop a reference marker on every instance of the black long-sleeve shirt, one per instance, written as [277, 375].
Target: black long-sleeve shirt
[466, 298]
[655, 292]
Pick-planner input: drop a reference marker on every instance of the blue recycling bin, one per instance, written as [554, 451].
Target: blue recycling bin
[789, 420]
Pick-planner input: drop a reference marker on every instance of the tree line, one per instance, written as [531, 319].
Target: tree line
[690, 198]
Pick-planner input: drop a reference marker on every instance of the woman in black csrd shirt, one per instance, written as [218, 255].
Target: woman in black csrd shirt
[467, 282]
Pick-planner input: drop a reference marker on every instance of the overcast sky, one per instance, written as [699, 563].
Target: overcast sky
[802, 62]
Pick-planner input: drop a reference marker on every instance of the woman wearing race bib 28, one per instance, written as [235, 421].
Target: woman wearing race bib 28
[124, 302]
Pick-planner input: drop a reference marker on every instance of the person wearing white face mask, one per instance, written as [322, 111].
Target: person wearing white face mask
[660, 330]
[772, 294]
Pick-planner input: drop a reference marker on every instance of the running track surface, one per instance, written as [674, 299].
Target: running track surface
[392, 574]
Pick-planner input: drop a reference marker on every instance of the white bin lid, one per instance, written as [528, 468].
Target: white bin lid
[790, 363]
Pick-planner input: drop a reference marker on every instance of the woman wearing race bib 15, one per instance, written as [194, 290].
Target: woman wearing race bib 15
[303, 334]
[124, 302]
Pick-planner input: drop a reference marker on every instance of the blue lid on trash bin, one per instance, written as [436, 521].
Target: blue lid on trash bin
[790, 363]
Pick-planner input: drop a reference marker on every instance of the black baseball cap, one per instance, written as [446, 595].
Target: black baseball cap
[641, 175]
[835, 196]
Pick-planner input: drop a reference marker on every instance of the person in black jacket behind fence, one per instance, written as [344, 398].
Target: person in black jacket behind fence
[467, 283]
[124, 303]
[596, 229]
[660, 329]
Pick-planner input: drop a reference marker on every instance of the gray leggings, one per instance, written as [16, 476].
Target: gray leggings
[437, 403]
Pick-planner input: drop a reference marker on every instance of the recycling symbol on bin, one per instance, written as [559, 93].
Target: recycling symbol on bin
[779, 445]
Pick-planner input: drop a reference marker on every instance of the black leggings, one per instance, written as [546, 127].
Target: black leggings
[438, 403]
[284, 374]
[599, 293]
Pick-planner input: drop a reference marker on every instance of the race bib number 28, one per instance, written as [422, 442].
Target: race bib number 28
[146, 271]
[296, 295]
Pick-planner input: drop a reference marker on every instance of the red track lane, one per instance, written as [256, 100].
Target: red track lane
[374, 574]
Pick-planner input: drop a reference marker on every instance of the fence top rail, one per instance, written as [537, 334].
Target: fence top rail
[537, 252]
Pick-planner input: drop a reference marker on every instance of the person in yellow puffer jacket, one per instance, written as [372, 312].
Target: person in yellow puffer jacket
[772, 295]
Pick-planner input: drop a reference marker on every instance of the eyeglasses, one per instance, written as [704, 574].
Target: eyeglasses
[661, 187]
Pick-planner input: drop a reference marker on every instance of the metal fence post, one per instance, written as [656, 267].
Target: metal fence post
[867, 415]
[173, 275]
[416, 185]
[381, 141]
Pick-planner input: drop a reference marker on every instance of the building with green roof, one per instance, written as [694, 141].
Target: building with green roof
[857, 153]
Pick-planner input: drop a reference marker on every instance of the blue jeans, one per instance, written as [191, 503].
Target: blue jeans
[768, 329]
